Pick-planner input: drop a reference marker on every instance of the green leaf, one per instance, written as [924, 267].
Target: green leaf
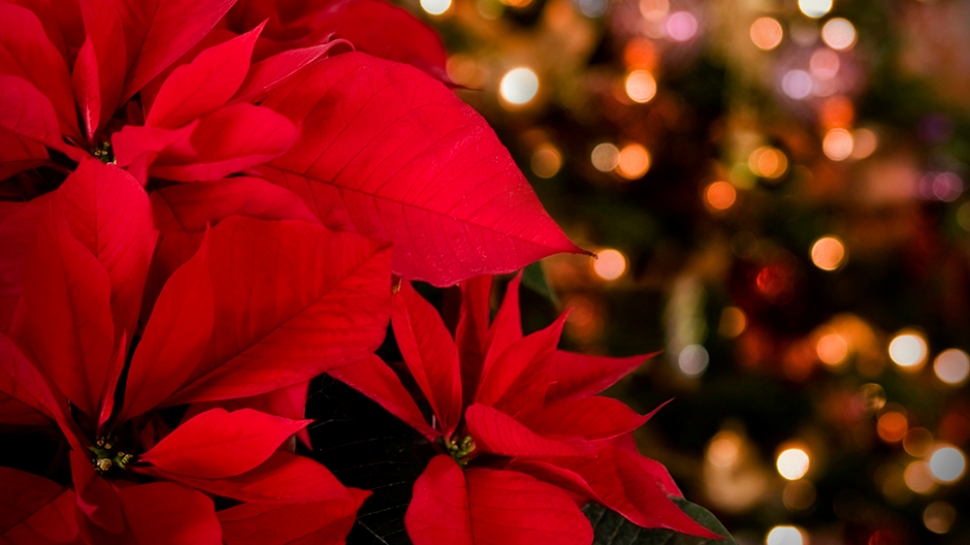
[610, 528]
[534, 278]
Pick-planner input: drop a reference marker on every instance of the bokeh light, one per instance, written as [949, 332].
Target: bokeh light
[640, 86]
[519, 86]
[917, 442]
[798, 495]
[681, 26]
[609, 264]
[435, 7]
[768, 162]
[633, 161]
[837, 144]
[605, 157]
[824, 63]
[724, 449]
[839, 34]
[640, 53]
[832, 349]
[797, 84]
[908, 350]
[793, 463]
[733, 322]
[919, 478]
[892, 426]
[692, 360]
[785, 535]
[766, 33]
[828, 253]
[815, 8]
[952, 366]
[939, 516]
[546, 161]
[720, 195]
[947, 464]
[654, 10]
[865, 143]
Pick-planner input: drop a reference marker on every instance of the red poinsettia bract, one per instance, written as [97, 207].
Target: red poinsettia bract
[258, 307]
[520, 428]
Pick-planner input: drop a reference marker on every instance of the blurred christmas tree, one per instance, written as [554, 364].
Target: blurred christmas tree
[776, 193]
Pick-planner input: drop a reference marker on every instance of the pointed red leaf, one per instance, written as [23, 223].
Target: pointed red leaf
[136, 147]
[592, 418]
[430, 354]
[507, 327]
[26, 112]
[321, 523]
[18, 154]
[27, 52]
[488, 507]
[373, 378]
[18, 225]
[270, 73]
[175, 338]
[283, 479]
[98, 75]
[164, 513]
[498, 433]
[622, 483]
[67, 313]
[204, 84]
[583, 375]
[96, 498]
[109, 212]
[471, 335]
[288, 402]
[34, 510]
[226, 141]
[218, 444]
[22, 381]
[158, 32]
[392, 154]
[292, 300]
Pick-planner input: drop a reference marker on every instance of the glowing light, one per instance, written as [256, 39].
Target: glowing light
[917, 442]
[519, 86]
[465, 70]
[815, 8]
[546, 162]
[724, 449]
[837, 111]
[605, 157]
[593, 8]
[908, 350]
[832, 349]
[837, 144]
[633, 161]
[733, 322]
[766, 33]
[947, 464]
[680, 26]
[609, 264]
[918, 477]
[824, 63]
[865, 143]
[952, 366]
[785, 535]
[798, 495]
[892, 427]
[793, 463]
[838, 33]
[944, 186]
[693, 360]
[873, 395]
[768, 162]
[640, 53]
[640, 86]
[720, 195]
[939, 516]
[435, 7]
[828, 253]
[654, 10]
[797, 84]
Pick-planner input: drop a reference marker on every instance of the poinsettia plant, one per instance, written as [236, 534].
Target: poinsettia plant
[206, 205]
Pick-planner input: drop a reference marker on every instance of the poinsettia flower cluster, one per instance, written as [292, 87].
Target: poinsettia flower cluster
[522, 435]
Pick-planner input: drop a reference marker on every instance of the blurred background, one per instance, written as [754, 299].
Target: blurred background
[776, 191]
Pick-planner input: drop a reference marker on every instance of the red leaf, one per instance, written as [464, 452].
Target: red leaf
[109, 212]
[96, 498]
[292, 300]
[507, 327]
[20, 380]
[98, 75]
[582, 375]
[226, 141]
[321, 523]
[18, 225]
[159, 31]
[485, 506]
[283, 479]
[175, 338]
[288, 402]
[592, 418]
[429, 353]
[204, 84]
[26, 112]
[164, 513]
[34, 510]
[26, 52]
[67, 313]
[471, 335]
[18, 154]
[373, 378]
[274, 71]
[218, 444]
[136, 147]
[392, 154]
[498, 433]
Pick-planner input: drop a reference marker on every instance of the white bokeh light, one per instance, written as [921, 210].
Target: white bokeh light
[519, 86]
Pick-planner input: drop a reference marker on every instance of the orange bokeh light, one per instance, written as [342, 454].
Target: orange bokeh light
[720, 195]
[766, 33]
[892, 427]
